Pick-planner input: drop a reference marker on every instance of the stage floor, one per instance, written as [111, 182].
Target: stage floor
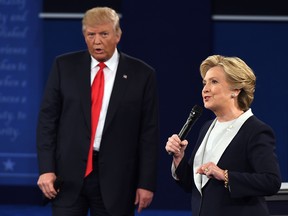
[32, 210]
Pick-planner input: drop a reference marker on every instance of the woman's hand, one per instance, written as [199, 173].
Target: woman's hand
[176, 147]
[211, 170]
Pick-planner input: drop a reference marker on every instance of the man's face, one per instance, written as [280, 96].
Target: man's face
[101, 41]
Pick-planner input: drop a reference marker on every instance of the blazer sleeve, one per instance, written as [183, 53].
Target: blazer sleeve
[184, 174]
[262, 175]
[184, 170]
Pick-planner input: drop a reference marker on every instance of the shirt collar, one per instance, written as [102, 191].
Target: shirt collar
[110, 63]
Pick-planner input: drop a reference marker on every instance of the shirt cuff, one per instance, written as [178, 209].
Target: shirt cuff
[173, 172]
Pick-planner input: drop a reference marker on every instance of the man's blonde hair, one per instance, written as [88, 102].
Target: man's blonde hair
[101, 15]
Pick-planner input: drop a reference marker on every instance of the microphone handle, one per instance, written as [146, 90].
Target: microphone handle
[185, 130]
[193, 116]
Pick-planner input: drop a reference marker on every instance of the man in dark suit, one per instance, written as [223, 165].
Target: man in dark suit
[126, 138]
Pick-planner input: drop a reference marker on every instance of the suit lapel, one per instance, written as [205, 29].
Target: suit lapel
[123, 77]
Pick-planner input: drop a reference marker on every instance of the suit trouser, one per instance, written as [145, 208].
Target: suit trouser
[90, 198]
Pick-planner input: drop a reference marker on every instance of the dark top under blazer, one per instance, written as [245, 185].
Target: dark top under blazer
[253, 174]
[129, 145]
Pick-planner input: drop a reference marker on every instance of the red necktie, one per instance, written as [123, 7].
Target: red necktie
[97, 90]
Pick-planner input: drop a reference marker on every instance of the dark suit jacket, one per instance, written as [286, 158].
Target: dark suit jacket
[253, 173]
[128, 154]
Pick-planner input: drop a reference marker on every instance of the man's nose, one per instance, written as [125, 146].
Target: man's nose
[96, 39]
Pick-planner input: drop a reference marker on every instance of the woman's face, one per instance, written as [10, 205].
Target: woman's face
[216, 91]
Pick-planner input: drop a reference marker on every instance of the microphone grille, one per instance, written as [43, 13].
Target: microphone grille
[197, 109]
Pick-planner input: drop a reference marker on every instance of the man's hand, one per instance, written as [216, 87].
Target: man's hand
[143, 198]
[46, 185]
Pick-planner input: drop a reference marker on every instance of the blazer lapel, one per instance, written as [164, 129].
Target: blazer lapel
[219, 147]
[228, 136]
[198, 159]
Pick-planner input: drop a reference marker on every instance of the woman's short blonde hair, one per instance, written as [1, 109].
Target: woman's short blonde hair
[239, 76]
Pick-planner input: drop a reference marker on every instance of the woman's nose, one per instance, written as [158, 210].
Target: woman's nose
[205, 88]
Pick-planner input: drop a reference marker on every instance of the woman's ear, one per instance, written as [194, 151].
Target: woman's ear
[235, 93]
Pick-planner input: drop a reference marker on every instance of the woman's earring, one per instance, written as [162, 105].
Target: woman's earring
[233, 95]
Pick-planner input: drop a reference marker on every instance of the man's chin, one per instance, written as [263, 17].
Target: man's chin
[99, 57]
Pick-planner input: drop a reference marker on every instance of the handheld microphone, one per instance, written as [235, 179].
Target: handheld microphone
[192, 118]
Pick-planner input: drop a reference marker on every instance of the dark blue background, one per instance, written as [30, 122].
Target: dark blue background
[174, 37]
[21, 75]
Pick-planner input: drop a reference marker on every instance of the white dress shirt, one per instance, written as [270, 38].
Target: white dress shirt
[109, 77]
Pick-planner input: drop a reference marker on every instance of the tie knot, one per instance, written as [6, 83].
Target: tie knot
[101, 65]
